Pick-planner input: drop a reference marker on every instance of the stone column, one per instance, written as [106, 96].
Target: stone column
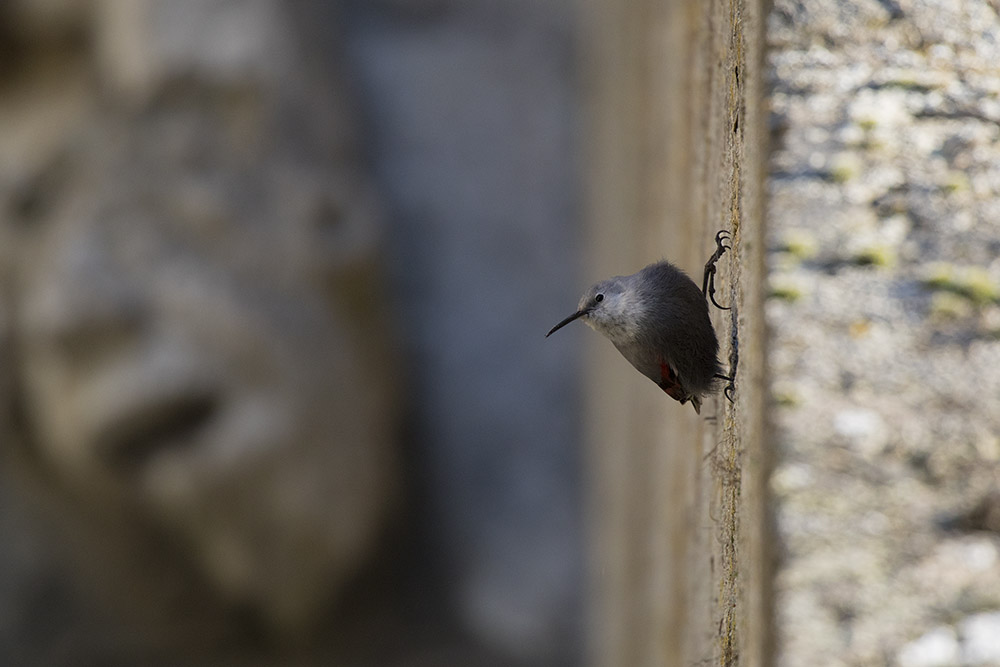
[681, 567]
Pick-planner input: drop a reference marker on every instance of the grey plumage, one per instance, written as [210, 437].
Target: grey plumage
[658, 319]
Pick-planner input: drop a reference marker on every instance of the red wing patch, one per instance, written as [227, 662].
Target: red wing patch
[670, 384]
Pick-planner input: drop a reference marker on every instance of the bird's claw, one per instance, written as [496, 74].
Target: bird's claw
[708, 281]
[730, 388]
[708, 289]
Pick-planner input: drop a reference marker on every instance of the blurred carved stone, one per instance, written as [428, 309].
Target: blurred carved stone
[192, 327]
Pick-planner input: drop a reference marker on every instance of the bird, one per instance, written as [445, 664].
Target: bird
[659, 321]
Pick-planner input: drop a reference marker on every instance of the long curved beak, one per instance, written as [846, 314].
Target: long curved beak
[579, 313]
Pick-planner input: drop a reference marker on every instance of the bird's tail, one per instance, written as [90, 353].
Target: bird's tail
[671, 386]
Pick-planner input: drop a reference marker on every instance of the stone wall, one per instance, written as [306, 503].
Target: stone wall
[682, 570]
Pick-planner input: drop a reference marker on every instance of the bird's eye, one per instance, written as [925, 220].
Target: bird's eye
[599, 298]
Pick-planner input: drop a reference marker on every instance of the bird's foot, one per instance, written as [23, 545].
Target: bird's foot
[708, 281]
[730, 388]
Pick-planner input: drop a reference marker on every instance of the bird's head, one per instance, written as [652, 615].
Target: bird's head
[610, 307]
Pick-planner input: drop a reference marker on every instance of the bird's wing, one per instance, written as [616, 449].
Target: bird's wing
[660, 371]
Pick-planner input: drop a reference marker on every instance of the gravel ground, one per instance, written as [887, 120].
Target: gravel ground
[885, 314]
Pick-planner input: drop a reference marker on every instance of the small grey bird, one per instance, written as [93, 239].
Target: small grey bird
[658, 319]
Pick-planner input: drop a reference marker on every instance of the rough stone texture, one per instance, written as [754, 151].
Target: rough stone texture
[682, 571]
[884, 312]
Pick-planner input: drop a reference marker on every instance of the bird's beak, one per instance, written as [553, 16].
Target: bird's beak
[579, 313]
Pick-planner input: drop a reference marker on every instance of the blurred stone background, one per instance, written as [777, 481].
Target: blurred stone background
[276, 278]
